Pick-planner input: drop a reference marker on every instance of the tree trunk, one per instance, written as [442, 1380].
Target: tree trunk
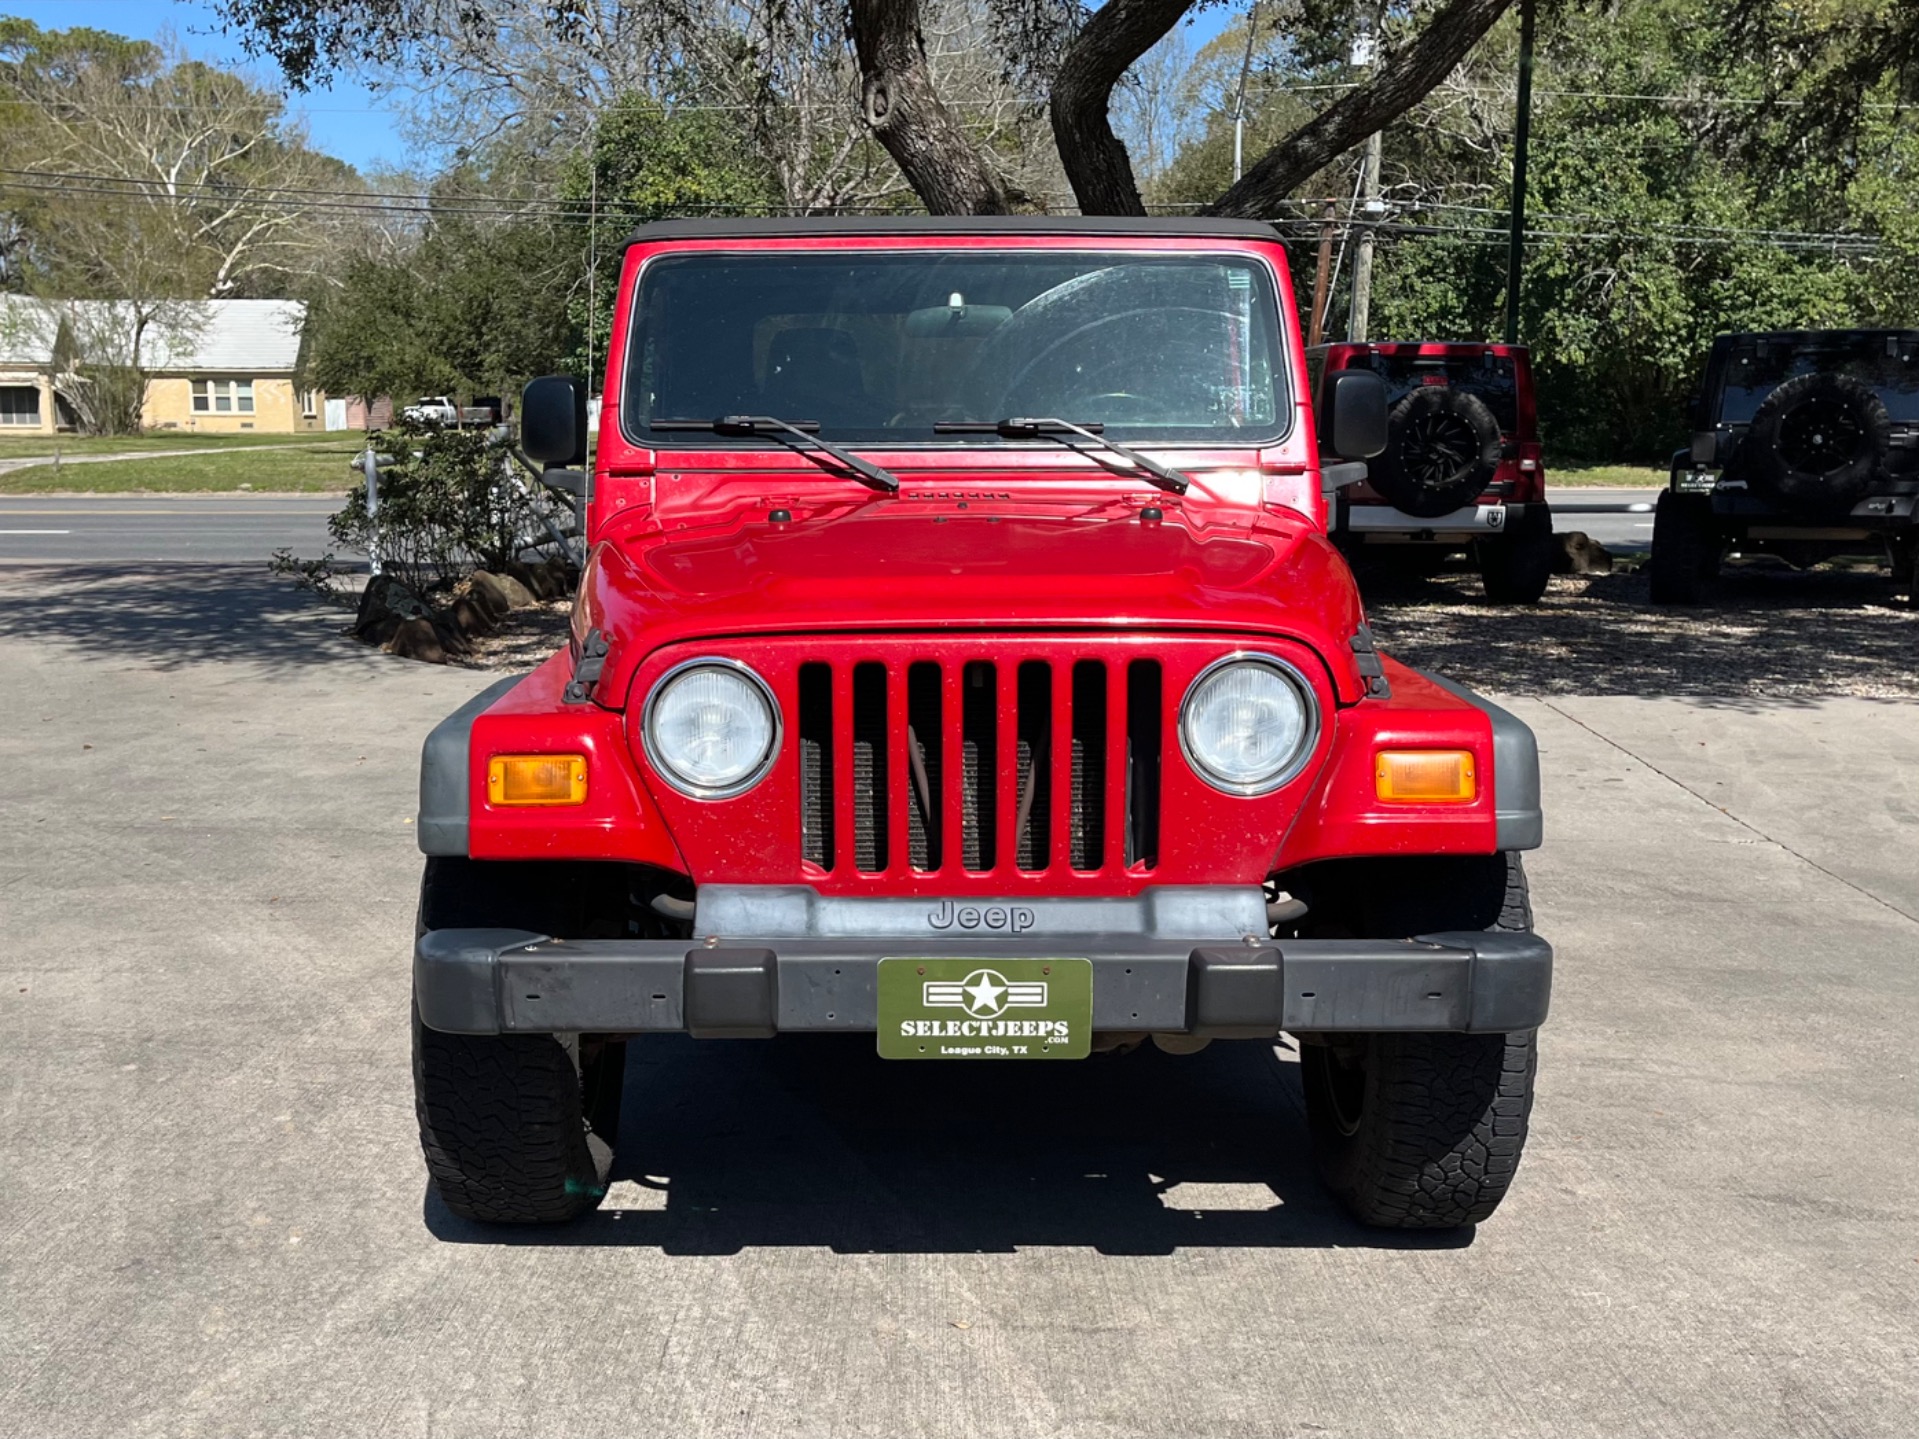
[1400, 83]
[907, 117]
[1097, 165]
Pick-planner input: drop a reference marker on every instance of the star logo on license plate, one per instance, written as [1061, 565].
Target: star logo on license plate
[984, 994]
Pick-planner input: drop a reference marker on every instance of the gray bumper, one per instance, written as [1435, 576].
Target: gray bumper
[494, 981]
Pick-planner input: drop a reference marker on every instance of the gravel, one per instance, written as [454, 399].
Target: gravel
[1771, 634]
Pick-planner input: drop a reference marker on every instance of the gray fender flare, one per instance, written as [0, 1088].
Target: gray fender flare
[1522, 825]
[444, 799]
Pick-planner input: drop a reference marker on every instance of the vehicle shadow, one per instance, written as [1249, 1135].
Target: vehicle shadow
[1769, 638]
[815, 1141]
[173, 615]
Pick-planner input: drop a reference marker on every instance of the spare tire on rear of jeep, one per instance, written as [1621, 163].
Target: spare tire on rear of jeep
[1443, 449]
[1816, 442]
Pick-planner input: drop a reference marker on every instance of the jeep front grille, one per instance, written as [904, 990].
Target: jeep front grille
[930, 767]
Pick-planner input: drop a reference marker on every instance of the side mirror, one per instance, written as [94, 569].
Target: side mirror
[553, 420]
[1356, 401]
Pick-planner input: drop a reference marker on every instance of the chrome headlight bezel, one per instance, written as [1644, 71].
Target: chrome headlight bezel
[666, 771]
[1309, 731]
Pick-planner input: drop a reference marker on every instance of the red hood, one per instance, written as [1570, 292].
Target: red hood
[925, 563]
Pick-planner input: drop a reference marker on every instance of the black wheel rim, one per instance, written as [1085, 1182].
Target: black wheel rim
[1820, 436]
[1435, 450]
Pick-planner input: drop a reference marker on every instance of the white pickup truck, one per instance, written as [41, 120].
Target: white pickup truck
[441, 410]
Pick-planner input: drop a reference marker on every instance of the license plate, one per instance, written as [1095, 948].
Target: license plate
[985, 1008]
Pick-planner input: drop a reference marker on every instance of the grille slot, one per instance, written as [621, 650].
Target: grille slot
[924, 748]
[869, 767]
[1143, 748]
[979, 788]
[1086, 836]
[1033, 757]
[814, 724]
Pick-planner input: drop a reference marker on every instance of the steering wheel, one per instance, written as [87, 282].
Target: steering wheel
[1185, 359]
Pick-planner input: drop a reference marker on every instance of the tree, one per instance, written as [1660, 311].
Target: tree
[137, 174]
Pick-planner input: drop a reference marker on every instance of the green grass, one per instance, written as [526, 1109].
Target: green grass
[1587, 476]
[21, 446]
[309, 468]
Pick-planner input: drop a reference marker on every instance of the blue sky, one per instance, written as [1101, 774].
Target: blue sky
[348, 120]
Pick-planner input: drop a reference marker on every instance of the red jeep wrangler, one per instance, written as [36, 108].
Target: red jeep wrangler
[961, 660]
[1462, 469]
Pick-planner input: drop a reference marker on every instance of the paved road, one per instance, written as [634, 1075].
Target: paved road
[247, 528]
[239, 528]
[1621, 533]
[214, 1220]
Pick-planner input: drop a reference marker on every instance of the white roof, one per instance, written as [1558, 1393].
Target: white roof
[249, 336]
[28, 329]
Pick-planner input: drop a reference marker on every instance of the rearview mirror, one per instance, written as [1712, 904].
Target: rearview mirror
[553, 420]
[1356, 400]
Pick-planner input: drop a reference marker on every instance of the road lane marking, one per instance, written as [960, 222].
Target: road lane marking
[36, 532]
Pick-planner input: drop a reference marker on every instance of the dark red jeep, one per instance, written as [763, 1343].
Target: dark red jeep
[1463, 468]
[962, 660]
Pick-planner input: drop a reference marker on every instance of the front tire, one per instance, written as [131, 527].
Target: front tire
[517, 1128]
[1418, 1130]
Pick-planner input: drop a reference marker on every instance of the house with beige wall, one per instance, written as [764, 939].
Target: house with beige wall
[213, 366]
[29, 335]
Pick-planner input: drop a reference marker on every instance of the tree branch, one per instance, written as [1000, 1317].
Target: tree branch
[1400, 83]
[907, 116]
[1097, 165]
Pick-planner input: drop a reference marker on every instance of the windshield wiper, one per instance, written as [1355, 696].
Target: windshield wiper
[797, 433]
[1051, 428]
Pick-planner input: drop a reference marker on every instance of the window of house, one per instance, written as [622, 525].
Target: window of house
[20, 405]
[222, 397]
[307, 410]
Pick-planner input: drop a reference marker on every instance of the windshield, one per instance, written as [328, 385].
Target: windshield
[881, 347]
[1490, 377]
[1754, 371]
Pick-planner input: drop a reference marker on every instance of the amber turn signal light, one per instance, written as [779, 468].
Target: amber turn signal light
[1429, 776]
[536, 779]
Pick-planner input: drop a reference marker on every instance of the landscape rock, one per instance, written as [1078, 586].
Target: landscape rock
[470, 618]
[416, 639]
[518, 594]
[530, 579]
[490, 593]
[1580, 554]
[385, 599]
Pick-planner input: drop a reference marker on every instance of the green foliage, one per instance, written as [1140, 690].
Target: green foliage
[445, 506]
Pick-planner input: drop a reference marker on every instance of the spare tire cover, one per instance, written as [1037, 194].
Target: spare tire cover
[1816, 442]
[1443, 448]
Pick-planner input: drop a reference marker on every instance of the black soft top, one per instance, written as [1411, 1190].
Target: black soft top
[1076, 226]
[1813, 339]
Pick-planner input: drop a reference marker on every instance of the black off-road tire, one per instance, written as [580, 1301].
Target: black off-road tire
[517, 1128]
[1516, 567]
[1816, 443]
[1444, 448]
[1425, 1131]
[1685, 549]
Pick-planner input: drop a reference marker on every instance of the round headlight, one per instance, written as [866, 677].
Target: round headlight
[711, 728]
[1248, 724]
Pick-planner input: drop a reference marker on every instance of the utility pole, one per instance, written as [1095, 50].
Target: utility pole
[1239, 99]
[1365, 47]
[1522, 135]
[1370, 209]
[1322, 278]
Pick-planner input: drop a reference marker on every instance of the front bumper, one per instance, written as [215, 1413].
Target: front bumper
[496, 981]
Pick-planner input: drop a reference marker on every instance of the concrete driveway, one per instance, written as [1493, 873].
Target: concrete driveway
[214, 1220]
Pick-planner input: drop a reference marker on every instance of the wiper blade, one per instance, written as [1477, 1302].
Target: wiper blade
[797, 433]
[1050, 427]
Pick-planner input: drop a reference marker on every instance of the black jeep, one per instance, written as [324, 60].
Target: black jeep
[1805, 445]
